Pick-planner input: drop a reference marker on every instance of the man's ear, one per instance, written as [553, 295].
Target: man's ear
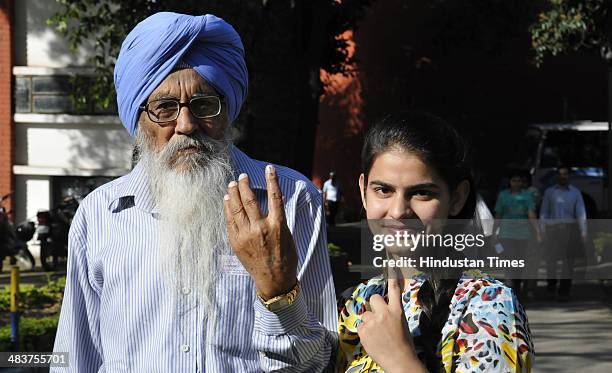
[458, 198]
[362, 190]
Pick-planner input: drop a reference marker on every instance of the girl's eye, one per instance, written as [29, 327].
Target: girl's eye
[423, 194]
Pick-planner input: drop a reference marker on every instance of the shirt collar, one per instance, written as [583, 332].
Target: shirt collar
[136, 185]
[244, 164]
[569, 187]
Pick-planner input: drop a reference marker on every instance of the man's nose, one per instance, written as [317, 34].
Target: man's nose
[401, 208]
[186, 123]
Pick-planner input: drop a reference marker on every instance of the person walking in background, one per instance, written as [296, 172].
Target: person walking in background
[533, 190]
[563, 220]
[514, 207]
[332, 195]
[534, 248]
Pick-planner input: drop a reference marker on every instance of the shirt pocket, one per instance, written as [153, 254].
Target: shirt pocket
[235, 294]
[231, 265]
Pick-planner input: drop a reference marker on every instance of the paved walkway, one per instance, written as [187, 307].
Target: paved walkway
[574, 336]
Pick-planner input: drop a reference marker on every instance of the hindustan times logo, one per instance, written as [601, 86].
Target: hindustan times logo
[465, 263]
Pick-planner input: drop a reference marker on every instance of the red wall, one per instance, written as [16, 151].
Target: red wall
[339, 134]
[6, 106]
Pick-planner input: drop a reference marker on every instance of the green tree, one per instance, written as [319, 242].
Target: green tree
[565, 26]
[571, 25]
[286, 42]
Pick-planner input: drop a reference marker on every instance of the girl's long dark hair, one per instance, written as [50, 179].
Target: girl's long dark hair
[438, 145]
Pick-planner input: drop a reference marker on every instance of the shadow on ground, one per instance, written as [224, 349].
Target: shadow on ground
[574, 336]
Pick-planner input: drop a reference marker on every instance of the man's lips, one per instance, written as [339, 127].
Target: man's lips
[189, 149]
[181, 154]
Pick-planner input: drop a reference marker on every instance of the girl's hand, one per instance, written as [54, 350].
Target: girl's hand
[385, 336]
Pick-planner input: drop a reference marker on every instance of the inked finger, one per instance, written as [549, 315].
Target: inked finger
[377, 303]
[276, 209]
[365, 316]
[248, 198]
[394, 294]
[235, 205]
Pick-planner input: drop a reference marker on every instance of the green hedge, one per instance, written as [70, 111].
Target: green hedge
[32, 296]
[35, 334]
[333, 249]
[602, 243]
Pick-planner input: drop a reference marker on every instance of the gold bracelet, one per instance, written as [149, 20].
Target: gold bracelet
[279, 302]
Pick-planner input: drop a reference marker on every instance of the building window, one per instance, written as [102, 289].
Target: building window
[52, 94]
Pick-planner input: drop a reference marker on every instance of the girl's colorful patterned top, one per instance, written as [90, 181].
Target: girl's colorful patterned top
[486, 331]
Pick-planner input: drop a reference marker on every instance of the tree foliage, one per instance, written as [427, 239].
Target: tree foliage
[287, 43]
[570, 25]
[470, 26]
[107, 22]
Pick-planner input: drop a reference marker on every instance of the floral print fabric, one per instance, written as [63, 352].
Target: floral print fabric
[486, 331]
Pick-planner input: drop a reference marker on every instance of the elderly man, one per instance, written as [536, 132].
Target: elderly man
[176, 267]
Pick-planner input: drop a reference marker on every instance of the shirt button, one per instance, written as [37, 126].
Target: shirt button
[185, 348]
[257, 314]
[186, 290]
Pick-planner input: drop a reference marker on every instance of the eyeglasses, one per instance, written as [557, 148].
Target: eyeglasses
[167, 109]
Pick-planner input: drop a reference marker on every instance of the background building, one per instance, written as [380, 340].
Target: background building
[56, 152]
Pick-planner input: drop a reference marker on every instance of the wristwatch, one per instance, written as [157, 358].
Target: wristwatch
[280, 301]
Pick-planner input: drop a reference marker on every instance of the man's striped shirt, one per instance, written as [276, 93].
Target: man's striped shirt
[118, 316]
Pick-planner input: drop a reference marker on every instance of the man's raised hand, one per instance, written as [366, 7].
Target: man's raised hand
[263, 244]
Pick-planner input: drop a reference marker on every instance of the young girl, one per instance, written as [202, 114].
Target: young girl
[415, 166]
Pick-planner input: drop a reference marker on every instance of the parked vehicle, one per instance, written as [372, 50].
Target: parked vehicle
[52, 231]
[580, 145]
[13, 241]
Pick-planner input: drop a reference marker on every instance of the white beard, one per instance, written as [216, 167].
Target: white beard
[188, 189]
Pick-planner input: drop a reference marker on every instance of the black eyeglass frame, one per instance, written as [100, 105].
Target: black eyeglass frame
[145, 107]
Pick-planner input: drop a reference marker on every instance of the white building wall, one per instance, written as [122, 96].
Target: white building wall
[64, 145]
[35, 43]
[32, 193]
[48, 145]
[39, 198]
[71, 146]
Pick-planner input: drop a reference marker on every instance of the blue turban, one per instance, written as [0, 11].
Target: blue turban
[151, 50]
